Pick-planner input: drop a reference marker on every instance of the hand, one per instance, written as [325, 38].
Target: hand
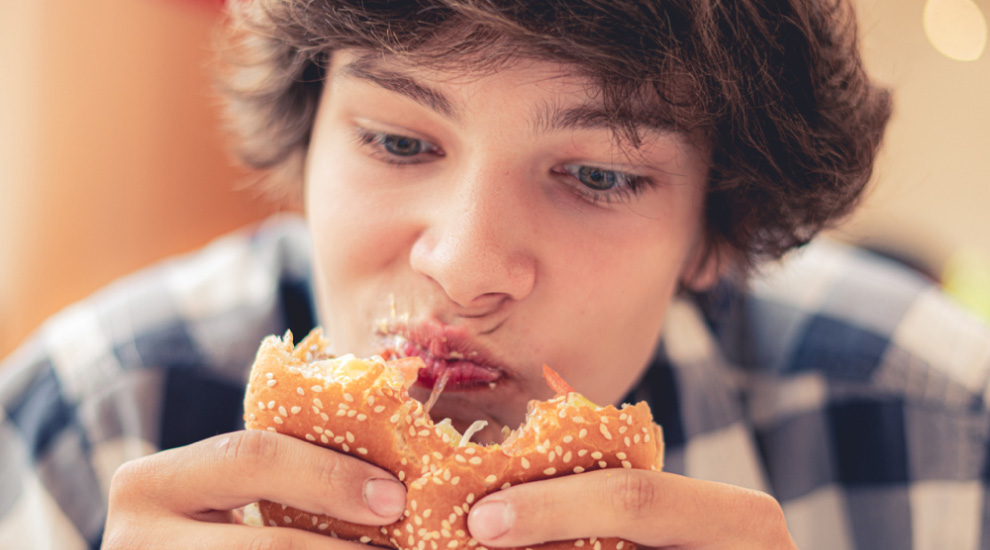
[654, 509]
[185, 497]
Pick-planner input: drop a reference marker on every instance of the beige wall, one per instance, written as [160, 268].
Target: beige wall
[110, 155]
[931, 195]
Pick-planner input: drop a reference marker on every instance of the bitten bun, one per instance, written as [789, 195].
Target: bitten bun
[362, 407]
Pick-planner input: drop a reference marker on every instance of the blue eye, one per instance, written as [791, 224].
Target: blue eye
[401, 146]
[398, 149]
[600, 179]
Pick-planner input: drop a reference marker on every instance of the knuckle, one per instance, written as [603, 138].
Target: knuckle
[768, 516]
[249, 451]
[132, 478]
[631, 495]
[330, 472]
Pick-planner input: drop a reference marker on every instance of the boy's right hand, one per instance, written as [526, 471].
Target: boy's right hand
[185, 497]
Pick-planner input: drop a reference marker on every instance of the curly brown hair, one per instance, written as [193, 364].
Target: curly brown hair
[775, 87]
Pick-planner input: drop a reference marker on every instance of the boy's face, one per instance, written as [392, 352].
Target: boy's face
[494, 224]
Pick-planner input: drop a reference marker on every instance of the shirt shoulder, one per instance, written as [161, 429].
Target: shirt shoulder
[128, 371]
[860, 321]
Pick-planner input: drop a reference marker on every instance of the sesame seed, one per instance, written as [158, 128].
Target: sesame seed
[318, 402]
[286, 519]
[567, 457]
[491, 479]
[582, 452]
[362, 417]
[271, 383]
[437, 455]
[550, 471]
[460, 458]
[325, 439]
[282, 411]
[469, 450]
[604, 420]
[475, 461]
[394, 418]
[341, 412]
[578, 469]
[349, 436]
[296, 409]
[346, 448]
[362, 450]
[598, 545]
[365, 539]
[269, 375]
[317, 388]
[646, 438]
[525, 462]
[621, 455]
[583, 433]
[553, 455]
[300, 391]
[339, 439]
[506, 485]
[568, 438]
[427, 512]
[619, 545]
[636, 439]
[323, 526]
[424, 433]
[348, 397]
[379, 409]
[271, 404]
[470, 499]
[455, 480]
[627, 441]
[402, 475]
[605, 432]
[602, 464]
[352, 413]
[261, 405]
[325, 417]
[316, 410]
[579, 543]
[626, 464]
[597, 455]
[278, 420]
[452, 544]
[623, 416]
[622, 429]
[309, 437]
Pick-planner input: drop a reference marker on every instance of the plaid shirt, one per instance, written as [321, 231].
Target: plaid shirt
[845, 386]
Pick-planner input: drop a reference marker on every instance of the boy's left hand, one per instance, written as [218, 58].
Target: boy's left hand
[654, 509]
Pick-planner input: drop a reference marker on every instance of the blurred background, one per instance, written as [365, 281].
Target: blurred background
[112, 157]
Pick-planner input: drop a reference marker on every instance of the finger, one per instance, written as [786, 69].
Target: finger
[190, 535]
[650, 508]
[231, 470]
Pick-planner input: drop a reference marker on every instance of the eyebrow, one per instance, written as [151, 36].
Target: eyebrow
[550, 118]
[366, 69]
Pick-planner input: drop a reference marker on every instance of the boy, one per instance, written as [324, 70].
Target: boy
[507, 184]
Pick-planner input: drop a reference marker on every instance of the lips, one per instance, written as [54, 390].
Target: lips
[447, 351]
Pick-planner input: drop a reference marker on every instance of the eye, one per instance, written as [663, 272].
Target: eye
[402, 146]
[601, 179]
[396, 148]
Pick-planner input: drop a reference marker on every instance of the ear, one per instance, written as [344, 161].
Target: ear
[707, 264]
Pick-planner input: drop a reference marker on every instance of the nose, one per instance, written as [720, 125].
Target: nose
[477, 244]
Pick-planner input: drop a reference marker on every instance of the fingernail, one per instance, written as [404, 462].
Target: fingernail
[385, 497]
[490, 520]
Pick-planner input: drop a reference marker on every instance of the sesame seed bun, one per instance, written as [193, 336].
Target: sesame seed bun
[362, 407]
